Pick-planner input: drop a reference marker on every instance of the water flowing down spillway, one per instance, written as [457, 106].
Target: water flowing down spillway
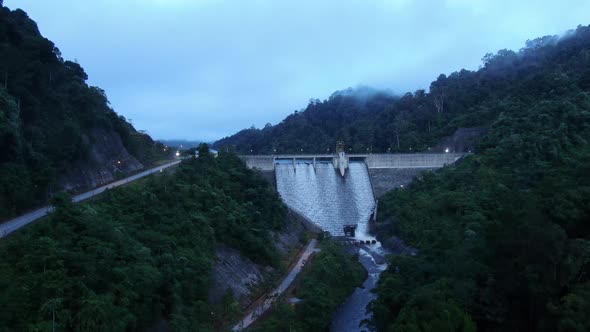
[325, 197]
[332, 201]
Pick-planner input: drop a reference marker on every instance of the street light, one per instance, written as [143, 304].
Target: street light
[447, 150]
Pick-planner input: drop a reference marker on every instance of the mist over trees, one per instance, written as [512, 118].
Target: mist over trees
[416, 121]
[503, 238]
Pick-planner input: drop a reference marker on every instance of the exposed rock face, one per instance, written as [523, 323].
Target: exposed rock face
[236, 272]
[398, 246]
[463, 140]
[240, 274]
[107, 158]
[270, 177]
[386, 179]
[292, 236]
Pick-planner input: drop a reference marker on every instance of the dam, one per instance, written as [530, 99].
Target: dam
[335, 190]
[325, 197]
[373, 161]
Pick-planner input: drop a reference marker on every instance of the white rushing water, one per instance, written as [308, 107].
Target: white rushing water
[332, 201]
[325, 197]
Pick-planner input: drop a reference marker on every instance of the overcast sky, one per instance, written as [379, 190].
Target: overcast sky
[204, 69]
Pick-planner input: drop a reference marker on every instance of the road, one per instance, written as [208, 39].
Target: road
[258, 311]
[19, 222]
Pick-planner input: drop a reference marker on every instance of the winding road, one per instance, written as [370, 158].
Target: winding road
[287, 281]
[19, 222]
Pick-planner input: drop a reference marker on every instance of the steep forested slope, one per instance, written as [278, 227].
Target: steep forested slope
[139, 254]
[55, 131]
[503, 238]
[417, 121]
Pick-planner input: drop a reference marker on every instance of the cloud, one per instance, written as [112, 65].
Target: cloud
[205, 69]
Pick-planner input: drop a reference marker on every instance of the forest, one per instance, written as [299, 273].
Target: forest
[47, 111]
[369, 120]
[141, 253]
[503, 238]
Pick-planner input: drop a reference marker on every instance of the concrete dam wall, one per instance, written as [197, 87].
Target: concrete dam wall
[411, 160]
[328, 199]
[262, 162]
[385, 171]
[408, 160]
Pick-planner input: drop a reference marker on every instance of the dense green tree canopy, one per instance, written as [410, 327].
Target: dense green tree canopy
[46, 114]
[506, 231]
[138, 254]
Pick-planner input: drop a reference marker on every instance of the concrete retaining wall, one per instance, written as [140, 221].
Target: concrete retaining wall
[411, 160]
[386, 179]
[263, 163]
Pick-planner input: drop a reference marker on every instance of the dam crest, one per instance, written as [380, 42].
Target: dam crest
[337, 190]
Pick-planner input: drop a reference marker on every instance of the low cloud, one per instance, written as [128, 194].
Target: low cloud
[205, 69]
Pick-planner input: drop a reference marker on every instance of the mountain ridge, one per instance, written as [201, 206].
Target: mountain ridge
[57, 132]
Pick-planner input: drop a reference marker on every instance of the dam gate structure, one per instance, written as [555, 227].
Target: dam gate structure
[386, 171]
[340, 191]
[342, 160]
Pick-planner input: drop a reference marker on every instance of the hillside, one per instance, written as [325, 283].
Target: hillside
[503, 238]
[56, 132]
[417, 121]
[142, 254]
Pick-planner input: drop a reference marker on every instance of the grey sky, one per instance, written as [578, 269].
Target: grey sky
[203, 69]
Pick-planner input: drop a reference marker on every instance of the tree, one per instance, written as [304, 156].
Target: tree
[400, 124]
[50, 307]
